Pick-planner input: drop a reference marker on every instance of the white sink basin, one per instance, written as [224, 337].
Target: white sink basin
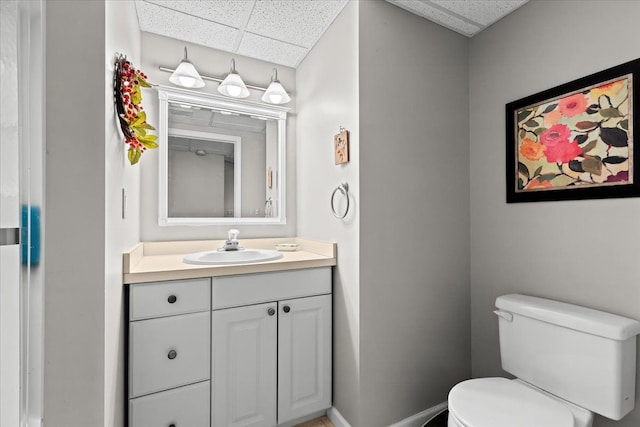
[243, 256]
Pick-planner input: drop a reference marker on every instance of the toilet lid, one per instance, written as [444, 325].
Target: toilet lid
[499, 402]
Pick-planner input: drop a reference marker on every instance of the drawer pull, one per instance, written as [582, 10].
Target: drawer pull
[271, 311]
[286, 309]
[172, 425]
[172, 299]
[172, 354]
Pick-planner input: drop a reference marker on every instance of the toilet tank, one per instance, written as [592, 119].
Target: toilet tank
[584, 356]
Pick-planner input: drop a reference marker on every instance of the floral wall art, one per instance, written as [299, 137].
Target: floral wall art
[576, 141]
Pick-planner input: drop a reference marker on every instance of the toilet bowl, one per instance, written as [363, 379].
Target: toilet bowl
[500, 402]
[569, 362]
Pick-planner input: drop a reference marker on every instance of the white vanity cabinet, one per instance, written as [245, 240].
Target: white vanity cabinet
[271, 347]
[250, 350]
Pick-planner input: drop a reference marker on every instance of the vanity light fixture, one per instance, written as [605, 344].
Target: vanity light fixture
[275, 93]
[233, 85]
[186, 74]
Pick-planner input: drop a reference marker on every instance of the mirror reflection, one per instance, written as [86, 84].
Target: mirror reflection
[221, 161]
[215, 163]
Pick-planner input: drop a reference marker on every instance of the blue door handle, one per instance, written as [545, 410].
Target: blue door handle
[30, 235]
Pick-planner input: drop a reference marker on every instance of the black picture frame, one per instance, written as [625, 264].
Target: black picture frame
[520, 191]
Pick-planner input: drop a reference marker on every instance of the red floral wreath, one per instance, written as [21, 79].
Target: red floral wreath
[127, 85]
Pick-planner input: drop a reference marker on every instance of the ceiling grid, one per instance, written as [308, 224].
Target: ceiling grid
[250, 4]
[283, 31]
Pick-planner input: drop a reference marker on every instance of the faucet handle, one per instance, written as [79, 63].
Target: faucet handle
[233, 234]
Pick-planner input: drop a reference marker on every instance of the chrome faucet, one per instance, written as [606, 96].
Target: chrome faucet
[232, 243]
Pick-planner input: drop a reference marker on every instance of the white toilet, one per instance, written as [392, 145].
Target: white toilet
[569, 361]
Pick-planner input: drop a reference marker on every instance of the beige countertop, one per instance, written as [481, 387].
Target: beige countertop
[154, 261]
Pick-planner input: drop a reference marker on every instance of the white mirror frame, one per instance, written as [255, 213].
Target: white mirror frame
[202, 99]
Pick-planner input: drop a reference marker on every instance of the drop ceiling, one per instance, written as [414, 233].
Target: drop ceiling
[467, 17]
[283, 31]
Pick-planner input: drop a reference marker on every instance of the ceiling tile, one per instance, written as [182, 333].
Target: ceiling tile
[169, 23]
[295, 21]
[160, 20]
[270, 50]
[484, 12]
[231, 13]
[438, 16]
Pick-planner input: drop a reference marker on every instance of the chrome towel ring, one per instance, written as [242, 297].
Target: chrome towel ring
[344, 189]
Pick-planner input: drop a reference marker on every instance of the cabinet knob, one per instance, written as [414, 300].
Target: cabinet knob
[172, 425]
[271, 311]
[172, 354]
[286, 309]
[172, 299]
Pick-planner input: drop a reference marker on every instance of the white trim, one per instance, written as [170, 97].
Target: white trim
[418, 420]
[242, 106]
[336, 417]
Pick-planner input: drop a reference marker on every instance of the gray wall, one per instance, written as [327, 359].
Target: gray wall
[583, 252]
[86, 170]
[397, 347]
[327, 83]
[414, 204]
[121, 35]
[74, 346]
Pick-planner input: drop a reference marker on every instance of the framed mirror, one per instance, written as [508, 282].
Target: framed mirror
[221, 160]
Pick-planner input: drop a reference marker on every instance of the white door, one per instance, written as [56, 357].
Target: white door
[243, 366]
[304, 356]
[21, 142]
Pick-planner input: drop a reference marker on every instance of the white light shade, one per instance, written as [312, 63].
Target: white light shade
[276, 94]
[186, 74]
[233, 86]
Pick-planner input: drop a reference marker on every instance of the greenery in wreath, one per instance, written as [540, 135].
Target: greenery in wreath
[128, 84]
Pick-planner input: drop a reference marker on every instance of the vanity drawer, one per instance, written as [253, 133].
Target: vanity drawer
[168, 352]
[186, 406]
[234, 291]
[158, 299]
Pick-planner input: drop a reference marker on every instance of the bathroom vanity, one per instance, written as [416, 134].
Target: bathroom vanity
[225, 345]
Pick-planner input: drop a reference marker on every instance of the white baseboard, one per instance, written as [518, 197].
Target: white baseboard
[419, 419]
[336, 417]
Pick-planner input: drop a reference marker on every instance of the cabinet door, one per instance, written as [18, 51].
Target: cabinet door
[243, 366]
[304, 356]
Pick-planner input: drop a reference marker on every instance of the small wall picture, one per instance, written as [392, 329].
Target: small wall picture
[576, 141]
[341, 146]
